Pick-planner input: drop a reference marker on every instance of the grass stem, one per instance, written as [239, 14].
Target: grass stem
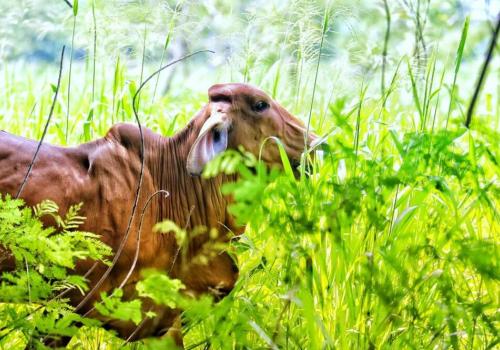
[458, 61]
[323, 34]
[69, 76]
[386, 44]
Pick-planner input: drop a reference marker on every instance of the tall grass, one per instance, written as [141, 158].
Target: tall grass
[391, 241]
[458, 62]
[75, 13]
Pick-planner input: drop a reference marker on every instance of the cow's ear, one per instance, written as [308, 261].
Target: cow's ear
[211, 141]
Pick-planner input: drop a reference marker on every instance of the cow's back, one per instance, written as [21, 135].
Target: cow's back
[58, 173]
[102, 175]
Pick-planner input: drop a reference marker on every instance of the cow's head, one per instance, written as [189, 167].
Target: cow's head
[240, 114]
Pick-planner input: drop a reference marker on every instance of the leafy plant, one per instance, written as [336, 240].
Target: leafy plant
[37, 263]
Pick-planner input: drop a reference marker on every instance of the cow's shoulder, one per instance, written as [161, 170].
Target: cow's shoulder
[118, 154]
[113, 163]
[119, 149]
[129, 136]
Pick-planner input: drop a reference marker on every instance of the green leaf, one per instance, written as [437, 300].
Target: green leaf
[284, 157]
[161, 288]
[483, 255]
[86, 126]
[168, 226]
[414, 91]
[461, 46]
[113, 306]
[75, 7]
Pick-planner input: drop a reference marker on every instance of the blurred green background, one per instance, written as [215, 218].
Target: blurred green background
[273, 44]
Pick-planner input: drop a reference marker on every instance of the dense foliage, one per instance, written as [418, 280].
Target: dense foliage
[34, 308]
[390, 239]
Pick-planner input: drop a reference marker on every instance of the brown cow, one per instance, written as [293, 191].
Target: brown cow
[103, 174]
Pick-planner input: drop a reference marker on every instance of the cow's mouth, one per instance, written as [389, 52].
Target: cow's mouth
[219, 292]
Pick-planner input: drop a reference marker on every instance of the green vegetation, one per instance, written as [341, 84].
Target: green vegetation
[34, 307]
[391, 239]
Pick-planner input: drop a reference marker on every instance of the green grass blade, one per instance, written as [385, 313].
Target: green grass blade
[458, 62]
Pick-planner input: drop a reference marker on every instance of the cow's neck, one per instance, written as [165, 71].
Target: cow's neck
[193, 201]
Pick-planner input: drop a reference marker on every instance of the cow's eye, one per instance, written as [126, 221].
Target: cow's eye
[260, 106]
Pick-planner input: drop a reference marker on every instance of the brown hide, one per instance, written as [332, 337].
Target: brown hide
[103, 174]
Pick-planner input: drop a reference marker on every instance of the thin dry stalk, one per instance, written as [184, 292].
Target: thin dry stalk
[484, 69]
[30, 167]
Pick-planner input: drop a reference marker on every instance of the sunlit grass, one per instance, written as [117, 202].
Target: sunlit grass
[391, 242]
[382, 246]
